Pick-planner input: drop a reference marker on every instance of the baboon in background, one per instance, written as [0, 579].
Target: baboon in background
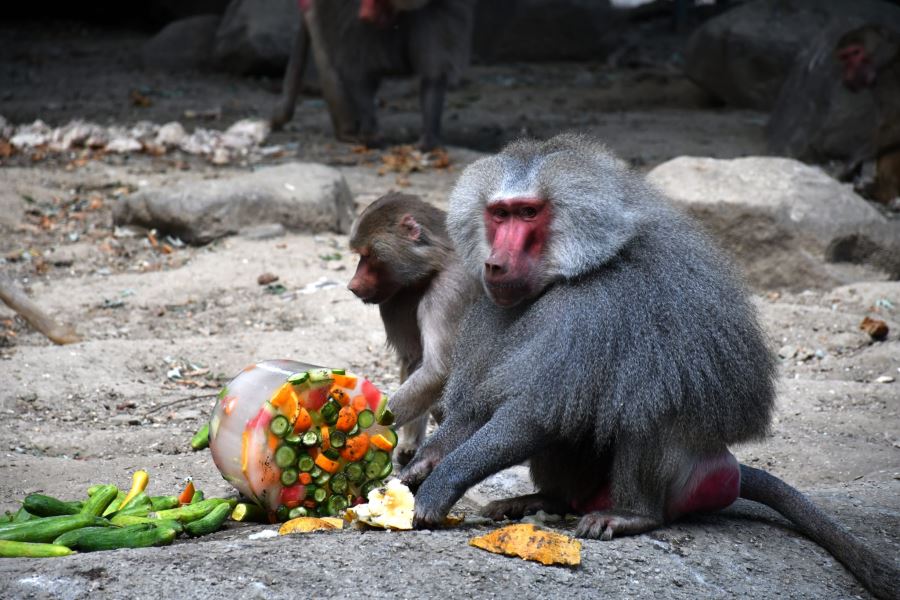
[870, 58]
[614, 349]
[356, 43]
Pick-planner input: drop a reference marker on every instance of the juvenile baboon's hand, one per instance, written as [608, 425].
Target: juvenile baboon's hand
[421, 466]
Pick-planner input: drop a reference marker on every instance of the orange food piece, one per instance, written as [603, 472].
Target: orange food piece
[346, 419]
[326, 464]
[345, 381]
[245, 446]
[382, 443]
[187, 494]
[339, 395]
[531, 543]
[303, 422]
[304, 478]
[359, 403]
[326, 438]
[229, 403]
[307, 524]
[270, 475]
[286, 401]
[356, 447]
[273, 442]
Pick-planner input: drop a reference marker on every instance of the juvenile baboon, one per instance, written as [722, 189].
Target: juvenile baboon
[408, 268]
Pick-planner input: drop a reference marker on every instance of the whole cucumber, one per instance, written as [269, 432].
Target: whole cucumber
[10, 549]
[126, 520]
[114, 505]
[70, 538]
[47, 506]
[163, 502]
[192, 512]
[99, 500]
[201, 438]
[133, 536]
[48, 528]
[212, 522]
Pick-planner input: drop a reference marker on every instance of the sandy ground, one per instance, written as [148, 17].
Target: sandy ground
[95, 411]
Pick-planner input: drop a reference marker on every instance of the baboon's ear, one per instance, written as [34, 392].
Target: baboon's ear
[410, 227]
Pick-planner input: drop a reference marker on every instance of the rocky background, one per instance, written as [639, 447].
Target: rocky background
[144, 200]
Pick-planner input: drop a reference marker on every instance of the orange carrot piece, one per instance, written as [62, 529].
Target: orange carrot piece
[303, 422]
[304, 478]
[274, 441]
[187, 494]
[345, 381]
[286, 401]
[326, 464]
[245, 451]
[382, 443]
[339, 395]
[326, 438]
[359, 403]
[356, 447]
[346, 419]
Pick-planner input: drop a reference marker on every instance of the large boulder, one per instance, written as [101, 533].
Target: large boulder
[544, 29]
[744, 55]
[299, 196]
[182, 45]
[782, 220]
[816, 118]
[255, 36]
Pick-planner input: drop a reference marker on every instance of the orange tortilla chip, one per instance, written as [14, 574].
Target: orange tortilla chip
[528, 542]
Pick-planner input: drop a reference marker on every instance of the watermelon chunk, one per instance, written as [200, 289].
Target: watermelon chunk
[372, 394]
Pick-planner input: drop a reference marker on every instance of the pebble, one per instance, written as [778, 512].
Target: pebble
[885, 379]
[787, 351]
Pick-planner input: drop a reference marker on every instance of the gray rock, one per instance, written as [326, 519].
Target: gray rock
[815, 118]
[182, 45]
[781, 219]
[264, 231]
[743, 56]
[514, 481]
[300, 196]
[255, 36]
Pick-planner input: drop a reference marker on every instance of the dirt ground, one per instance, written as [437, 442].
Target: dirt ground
[95, 411]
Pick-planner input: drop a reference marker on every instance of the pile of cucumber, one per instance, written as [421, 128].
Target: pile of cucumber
[47, 527]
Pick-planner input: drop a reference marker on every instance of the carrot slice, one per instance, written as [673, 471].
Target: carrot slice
[303, 422]
[359, 403]
[326, 438]
[326, 464]
[304, 478]
[339, 395]
[356, 447]
[346, 419]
